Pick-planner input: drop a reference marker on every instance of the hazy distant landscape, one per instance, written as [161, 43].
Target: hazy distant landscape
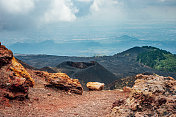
[107, 41]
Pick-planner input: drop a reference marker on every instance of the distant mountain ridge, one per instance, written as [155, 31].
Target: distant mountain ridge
[88, 47]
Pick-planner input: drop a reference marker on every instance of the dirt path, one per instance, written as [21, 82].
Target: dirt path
[48, 102]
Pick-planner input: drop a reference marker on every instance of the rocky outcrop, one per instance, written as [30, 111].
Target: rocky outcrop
[14, 79]
[152, 95]
[95, 86]
[61, 81]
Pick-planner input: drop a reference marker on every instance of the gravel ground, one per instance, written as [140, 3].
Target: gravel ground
[46, 102]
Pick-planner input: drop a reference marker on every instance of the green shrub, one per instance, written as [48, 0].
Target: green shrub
[158, 59]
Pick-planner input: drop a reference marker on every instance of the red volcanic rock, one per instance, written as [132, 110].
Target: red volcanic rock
[126, 89]
[152, 95]
[5, 55]
[14, 79]
[61, 81]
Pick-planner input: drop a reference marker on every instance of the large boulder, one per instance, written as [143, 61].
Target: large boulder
[152, 95]
[61, 81]
[14, 79]
[95, 86]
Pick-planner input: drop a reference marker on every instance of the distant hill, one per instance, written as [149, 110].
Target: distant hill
[158, 59]
[49, 69]
[84, 71]
[122, 65]
[26, 65]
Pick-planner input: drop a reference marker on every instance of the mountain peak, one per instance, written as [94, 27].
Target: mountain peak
[135, 50]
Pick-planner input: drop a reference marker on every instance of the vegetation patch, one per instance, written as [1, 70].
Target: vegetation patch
[158, 59]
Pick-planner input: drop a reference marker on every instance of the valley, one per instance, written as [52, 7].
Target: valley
[120, 65]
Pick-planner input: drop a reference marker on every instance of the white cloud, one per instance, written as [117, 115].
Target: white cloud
[165, 0]
[17, 6]
[16, 14]
[107, 11]
[84, 0]
[60, 10]
[101, 4]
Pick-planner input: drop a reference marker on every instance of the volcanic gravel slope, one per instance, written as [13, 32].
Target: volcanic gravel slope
[51, 102]
[48, 102]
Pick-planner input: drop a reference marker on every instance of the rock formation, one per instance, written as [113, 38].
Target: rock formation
[14, 79]
[152, 95]
[95, 86]
[61, 81]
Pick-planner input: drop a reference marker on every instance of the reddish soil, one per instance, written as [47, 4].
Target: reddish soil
[49, 102]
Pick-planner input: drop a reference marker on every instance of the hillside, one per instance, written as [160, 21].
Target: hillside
[122, 65]
[84, 71]
[158, 59]
[87, 71]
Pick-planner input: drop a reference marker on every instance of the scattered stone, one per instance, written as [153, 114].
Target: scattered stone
[95, 86]
[118, 103]
[36, 99]
[76, 114]
[127, 89]
[49, 94]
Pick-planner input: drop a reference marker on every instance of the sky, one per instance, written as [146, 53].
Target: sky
[39, 20]
[18, 14]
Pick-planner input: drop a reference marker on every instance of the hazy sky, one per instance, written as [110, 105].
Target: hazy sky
[19, 15]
